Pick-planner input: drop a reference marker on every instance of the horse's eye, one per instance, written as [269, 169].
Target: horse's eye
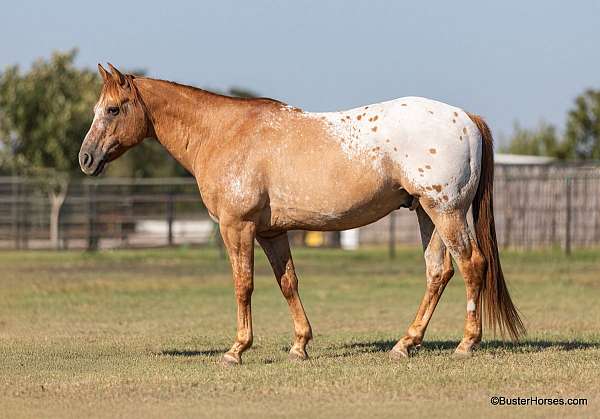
[113, 110]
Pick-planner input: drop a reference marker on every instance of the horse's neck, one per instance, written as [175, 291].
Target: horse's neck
[185, 120]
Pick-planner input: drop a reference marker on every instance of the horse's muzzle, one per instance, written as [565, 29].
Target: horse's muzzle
[92, 161]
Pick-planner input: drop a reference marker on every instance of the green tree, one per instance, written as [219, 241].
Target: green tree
[541, 141]
[242, 92]
[45, 112]
[583, 127]
[44, 115]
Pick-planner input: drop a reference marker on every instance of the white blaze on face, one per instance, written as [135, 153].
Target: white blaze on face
[471, 305]
[97, 113]
[98, 123]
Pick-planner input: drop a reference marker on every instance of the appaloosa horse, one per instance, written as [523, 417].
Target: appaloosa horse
[264, 168]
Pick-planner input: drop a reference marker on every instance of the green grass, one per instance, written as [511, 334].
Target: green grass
[140, 333]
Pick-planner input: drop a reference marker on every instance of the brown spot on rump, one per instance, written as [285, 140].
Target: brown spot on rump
[460, 137]
[438, 188]
[374, 129]
[455, 113]
[404, 104]
[364, 114]
[464, 130]
[421, 170]
[445, 197]
[429, 188]
[387, 140]
[347, 116]
[359, 117]
[427, 166]
[366, 107]
[395, 149]
[430, 112]
[454, 121]
[371, 119]
[432, 150]
[375, 117]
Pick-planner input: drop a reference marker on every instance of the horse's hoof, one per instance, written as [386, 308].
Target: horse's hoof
[230, 359]
[462, 354]
[297, 355]
[398, 354]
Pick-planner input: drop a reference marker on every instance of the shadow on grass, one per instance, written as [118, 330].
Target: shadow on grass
[185, 353]
[428, 347]
[205, 353]
[526, 346]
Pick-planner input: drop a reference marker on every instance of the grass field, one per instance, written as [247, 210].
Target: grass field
[141, 333]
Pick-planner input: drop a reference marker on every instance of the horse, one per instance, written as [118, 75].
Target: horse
[264, 168]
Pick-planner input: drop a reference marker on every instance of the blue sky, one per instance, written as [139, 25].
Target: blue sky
[509, 60]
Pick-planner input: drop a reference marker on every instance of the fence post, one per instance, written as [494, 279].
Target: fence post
[392, 235]
[15, 212]
[508, 213]
[26, 217]
[170, 216]
[92, 215]
[568, 188]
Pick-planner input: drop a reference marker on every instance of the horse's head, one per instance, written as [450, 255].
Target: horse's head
[120, 122]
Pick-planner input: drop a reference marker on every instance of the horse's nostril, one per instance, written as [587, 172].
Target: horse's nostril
[87, 159]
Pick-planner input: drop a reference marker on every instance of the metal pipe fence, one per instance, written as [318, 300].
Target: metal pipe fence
[105, 213]
[535, 206]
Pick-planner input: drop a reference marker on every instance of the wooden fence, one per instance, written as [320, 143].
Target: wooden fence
[535, 206]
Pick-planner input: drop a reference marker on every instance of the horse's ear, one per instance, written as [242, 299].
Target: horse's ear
[116, 75]
[103, 72]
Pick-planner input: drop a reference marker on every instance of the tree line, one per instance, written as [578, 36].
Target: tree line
[580, 140]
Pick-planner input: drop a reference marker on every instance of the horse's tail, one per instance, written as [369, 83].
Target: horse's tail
[498, 309]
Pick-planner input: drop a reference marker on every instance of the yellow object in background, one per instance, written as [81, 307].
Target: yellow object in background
[314, 239]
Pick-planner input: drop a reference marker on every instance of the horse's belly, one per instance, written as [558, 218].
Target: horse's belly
[337, 212]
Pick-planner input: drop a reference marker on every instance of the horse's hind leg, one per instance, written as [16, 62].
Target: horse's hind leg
[462, 244]
[439, 271]
[278, 252]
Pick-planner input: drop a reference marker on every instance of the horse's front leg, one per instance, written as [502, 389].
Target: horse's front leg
[277, 250]
[238, 237]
